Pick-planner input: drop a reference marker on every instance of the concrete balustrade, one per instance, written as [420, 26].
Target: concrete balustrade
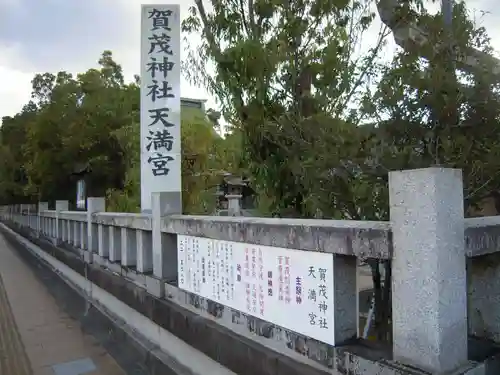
[115, 238]
[83, 236]
[437, 299]
[103, 240]
[75, 239]
[42, 208]
[60, 206]
[144, 247]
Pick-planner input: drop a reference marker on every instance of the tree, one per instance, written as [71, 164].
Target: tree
[422, 115]
[427, 115]
[300, 105]
[202, 157]
[92, 120]
[290, 77]
[73, 126]
[267, 56]
[13, 137]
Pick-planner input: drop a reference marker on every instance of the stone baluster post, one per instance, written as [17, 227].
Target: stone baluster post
[42, 206]
[60, 206]
[94, 205]
[164, 244]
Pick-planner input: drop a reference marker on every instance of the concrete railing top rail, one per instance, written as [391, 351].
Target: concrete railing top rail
[482, 235]
[482, 222]
[344, 237]
[120, 219]
[363, 239]
[68, 215]
[48, 213]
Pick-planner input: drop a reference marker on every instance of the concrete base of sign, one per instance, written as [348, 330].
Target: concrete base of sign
[164, 244]
[155, 286]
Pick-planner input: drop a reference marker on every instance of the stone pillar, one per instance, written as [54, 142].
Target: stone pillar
[129, 247]
[234, 204]
[94, 205]
[62, 230]
[33, 214]
[32, 225]
[345, 298]
[42, 206]
[103, 236]
[144, 251]
[69, 232]
[114, 244]
[60, 206]
[429, 291]
[83, 235]
[164, 245]
[53, 227]
[76, 234]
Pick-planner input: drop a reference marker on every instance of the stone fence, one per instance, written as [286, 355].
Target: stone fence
[445, 269]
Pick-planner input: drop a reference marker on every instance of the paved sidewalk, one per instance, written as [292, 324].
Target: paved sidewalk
[36, 337]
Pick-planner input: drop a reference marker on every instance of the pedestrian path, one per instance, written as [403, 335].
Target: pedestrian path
[36, 336]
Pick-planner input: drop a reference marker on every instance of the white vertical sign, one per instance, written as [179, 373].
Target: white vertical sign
[80, 195]
[160, 101]
[290, 288]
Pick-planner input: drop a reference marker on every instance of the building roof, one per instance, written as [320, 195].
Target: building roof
[193, 103]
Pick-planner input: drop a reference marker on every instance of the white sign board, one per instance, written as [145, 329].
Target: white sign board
[160, 101]
[290, 288]
[80, 195]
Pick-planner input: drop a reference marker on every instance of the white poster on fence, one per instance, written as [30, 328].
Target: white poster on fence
[290, 288]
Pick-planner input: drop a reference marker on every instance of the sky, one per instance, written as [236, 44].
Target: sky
[38, 36]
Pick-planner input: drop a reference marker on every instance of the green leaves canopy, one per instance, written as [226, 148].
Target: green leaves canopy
[322, 124]
[92, 120]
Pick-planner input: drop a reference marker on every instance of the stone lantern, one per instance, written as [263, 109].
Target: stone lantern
[233, 194]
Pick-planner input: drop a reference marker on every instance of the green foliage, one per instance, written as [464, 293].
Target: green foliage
[92, 120]
[295, 89]
[268, 55]
[428, 114]
[291, 80]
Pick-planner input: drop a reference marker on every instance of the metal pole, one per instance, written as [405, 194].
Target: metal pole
[447, 11]
[445, 112]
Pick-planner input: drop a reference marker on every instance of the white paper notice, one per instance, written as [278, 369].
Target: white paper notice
[290, 288]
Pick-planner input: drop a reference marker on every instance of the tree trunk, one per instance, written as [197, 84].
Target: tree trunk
[382, 295]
